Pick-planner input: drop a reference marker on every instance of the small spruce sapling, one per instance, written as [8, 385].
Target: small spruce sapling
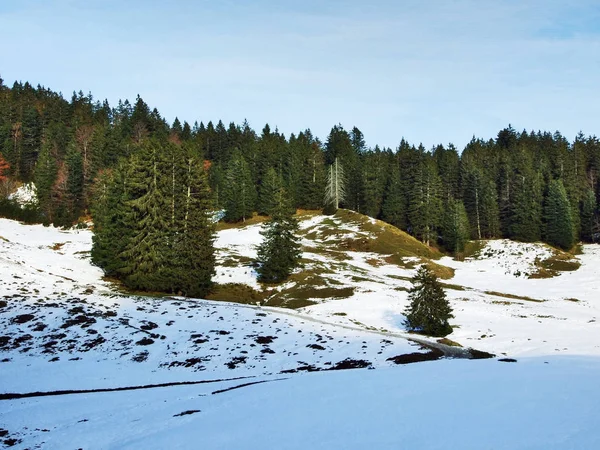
[279, 253]
[429, 310]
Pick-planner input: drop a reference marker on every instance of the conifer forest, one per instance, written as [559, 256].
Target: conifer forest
[153, 188]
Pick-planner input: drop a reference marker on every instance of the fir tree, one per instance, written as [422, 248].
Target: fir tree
[429, 310]
[455, 226]
[112, 217]
[392, 210]
[146, 252]
[588, 211]
[279, 253]
[526, 206]
[194, 258]
[239, 193]
[425, 206]
[270, 186]
[557, 217]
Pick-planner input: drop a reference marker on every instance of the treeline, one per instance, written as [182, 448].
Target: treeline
[526, 186]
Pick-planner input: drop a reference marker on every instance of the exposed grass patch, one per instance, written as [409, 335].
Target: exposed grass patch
[2, 238]
[448, 342]
[385, 238]
[576, 300]
[342, 314]
[57, 246]
[374, 262]
[338, 255]
[301, 294]
[232, 260]
[255, 219]
[472, 250]
[360, 279]
[560, 261]
[454, 287]
[514, 297]
[235, 292]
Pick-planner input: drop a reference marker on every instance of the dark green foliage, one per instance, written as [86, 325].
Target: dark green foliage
[429, 310]
[588, 212]
[113, 226]
[193, 253]
[526, 208]
[425, 205]
[65, 143]
[279, 253]
[146, 252]
[374, 180]
[558, 223]
[239, 192]
[392, 210]
[480, 200]
[153, 225]
[270, 186]
[44, 178]
[455, 226]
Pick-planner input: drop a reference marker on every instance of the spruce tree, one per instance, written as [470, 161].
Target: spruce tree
[267, 195]
[429, 310]
[425, 205]
[588, 211]
[557, 217]
[526, 207]
[146, 252]
[239, 192]
[455, 226]
[112, 217]
[392, 210]
[194, 258]
[279, 253]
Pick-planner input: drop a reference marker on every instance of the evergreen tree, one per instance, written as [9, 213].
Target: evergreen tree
[455, 226]
[429, 310]
[239, 191]
[557, 217]
[526, 201]
[75, 180]
[279, 253]
[146, 252]
[113, 221]
[193, 255]
[267, 197]
[480, 200]
[425, 205]
[588, 212]
[44, 178]
[392, 209]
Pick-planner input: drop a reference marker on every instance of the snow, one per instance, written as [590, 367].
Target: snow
[437, 405]
[25, 195]
[83, 333]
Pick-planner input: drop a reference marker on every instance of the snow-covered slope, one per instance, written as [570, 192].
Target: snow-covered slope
[498, 308]
[452, 404]
[62, 327]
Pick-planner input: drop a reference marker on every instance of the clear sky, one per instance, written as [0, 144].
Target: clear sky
[434, 71]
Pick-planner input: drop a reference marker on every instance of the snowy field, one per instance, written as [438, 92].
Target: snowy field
[62, 328]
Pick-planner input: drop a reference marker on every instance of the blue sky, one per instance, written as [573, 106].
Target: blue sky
[433, 71]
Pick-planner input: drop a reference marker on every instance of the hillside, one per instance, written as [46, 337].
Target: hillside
[66, 329]
[509, 298]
